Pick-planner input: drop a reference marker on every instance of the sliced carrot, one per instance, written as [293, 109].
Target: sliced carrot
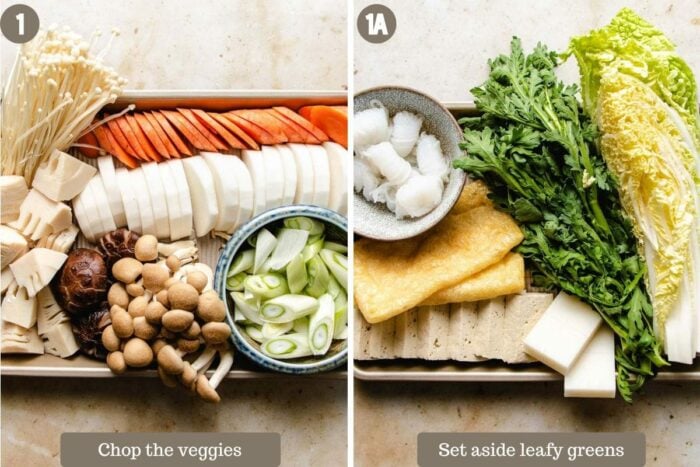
[119, 152]
[216, 128]
[306, 136]
[256, 132]
[146, 145]
[172, 134]
[211, 137]
[304, 122]
[188, 130]
[293, 135]
[331, 121]
[91, 140]
[102, 139]
[167, 144]
[139, 152]
[235, 129]
[151, 134]
[119, 135]
[341, 108]
[264, 120]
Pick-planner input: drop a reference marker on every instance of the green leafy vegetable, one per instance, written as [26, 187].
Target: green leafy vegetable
[536, 150]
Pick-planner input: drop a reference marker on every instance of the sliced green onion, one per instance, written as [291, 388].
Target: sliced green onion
[342, 335]
[290, 243]
[338, 265]
[270, 330]
[265, 243]
[312, 226]
[287, 308]
[321, 325]
[266, 286]
[235, 283]
[342, 249]
[255, 333]
[318, 277]
[340, 318]
[334, 288]
[287, 346]
[247, 309]
[242, 262]
[296, 274]
[301, 325]
[238, 317]
[312, 248]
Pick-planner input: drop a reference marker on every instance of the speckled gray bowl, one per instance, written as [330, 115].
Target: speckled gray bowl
[374, 220]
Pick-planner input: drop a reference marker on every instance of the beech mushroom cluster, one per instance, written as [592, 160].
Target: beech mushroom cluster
[160, 313]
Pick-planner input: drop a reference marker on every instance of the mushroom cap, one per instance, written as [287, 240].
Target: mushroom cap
[167, 379]
[154, 276]
[137, 353]
[116, 245]
[81, 285]
[116, 362]
[117, 295]
[177, 320]
[170, 361]
[146, 248]
[127, 270]
[144, 329]
[210, 307]
[183, 296]
[110, 341]
[137, 306]
[188, 375]
[188, 345]
[216, 333]
[193, 332]
[154, 312]
[205, 391]
[198, 280]
[123, 324]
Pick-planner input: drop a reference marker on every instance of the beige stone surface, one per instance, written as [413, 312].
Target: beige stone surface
[441, 47]
[182, 44]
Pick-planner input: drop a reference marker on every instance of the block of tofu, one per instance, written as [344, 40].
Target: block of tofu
[35, 270]
[18, 307]
[362, 335]
[12, 245]
[433, 324]
[40, 216]
[563, 331]
[13, 190]
[381, 340]
[60, 341]
[62, 176]
[16, 339]
[462, 332]
[406, 337]
[522, 312]
[593, 373]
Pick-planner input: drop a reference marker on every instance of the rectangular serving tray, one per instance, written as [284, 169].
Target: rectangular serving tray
[491, 371]
[80, 366]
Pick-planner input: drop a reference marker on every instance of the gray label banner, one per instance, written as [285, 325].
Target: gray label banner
[170, 449]
[531, 449]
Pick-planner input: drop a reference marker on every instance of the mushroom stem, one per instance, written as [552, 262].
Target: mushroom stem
[225, 363]
[203, 362]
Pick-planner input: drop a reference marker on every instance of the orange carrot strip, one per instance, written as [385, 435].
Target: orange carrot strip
[151, 134]
[211, 137]
[102, 139]
[235, 129]
[256, 132]
[307, 136]
[188, 130]
[120, 137]
[218, 129]
[90, 139]
[304, 122]
[167, 144]
[263, 120]
[173, 136]
[131, 137]
[119, 152]
[148, 148]
[291, 131]
[331, 121]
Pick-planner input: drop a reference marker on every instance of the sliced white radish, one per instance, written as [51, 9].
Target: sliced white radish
[109, 179]
[158, 201]
[305, 174]
[322, 176]
[184, 226]
[290, 173]
[226, 182]
[90, 206]
[205, 208]
[246, 193]
[274, 177]
[81, 217]
[256, 167]
[172, 199]
[131, 207]
[102, 204]
[138, 182]
[338, 164]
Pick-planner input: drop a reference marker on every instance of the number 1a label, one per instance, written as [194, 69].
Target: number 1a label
[376, 23]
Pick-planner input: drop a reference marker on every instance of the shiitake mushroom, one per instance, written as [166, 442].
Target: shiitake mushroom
[88, 332]
[81, 285]
[118, 244]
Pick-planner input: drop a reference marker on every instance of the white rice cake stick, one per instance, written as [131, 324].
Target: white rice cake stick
[593, 374]
[406, 338]
[381, 340]
[563, 331]
[522, 312]
[362, 334]
[462, 332]
[433, 325]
